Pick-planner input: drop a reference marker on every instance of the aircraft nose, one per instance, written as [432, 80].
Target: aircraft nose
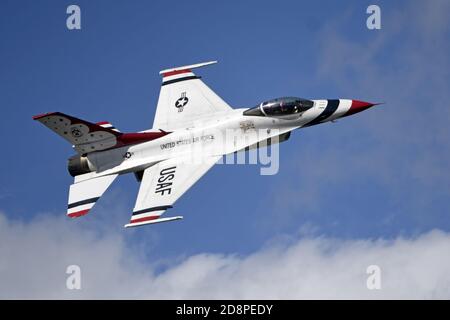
[358, 106]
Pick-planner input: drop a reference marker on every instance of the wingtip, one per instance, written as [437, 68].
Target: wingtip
[152, 221]
[39, 116]
[78, 213]
[187, 68]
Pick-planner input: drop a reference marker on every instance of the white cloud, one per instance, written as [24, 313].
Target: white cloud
[35, 256]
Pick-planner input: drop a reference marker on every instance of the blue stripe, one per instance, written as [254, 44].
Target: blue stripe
[331, 107]
[159, 208]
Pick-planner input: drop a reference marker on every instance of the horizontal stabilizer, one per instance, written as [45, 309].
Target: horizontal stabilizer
[83, 195]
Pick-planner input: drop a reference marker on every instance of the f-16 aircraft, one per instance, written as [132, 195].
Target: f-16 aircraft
[190, 120]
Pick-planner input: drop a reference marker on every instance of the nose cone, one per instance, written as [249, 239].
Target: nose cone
[358, 106]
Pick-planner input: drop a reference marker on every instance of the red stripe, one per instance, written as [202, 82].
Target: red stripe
[42, 115]
[103, 122]
[133, 138]
[78, 213]
[175, 72]
[358, 106]
[144, 219]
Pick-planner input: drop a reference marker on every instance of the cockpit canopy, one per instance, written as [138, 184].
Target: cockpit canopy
[280, 107]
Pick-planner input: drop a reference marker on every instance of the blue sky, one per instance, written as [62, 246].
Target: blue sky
[380, 174]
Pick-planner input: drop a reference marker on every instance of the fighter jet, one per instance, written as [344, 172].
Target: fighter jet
[191, 121]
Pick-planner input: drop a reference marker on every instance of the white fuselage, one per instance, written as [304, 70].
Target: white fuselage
[214, 134]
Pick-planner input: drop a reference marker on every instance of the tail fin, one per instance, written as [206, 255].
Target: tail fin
[83, 135]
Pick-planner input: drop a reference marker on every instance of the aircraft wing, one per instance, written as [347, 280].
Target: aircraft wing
[184, 98]
[162, 185]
